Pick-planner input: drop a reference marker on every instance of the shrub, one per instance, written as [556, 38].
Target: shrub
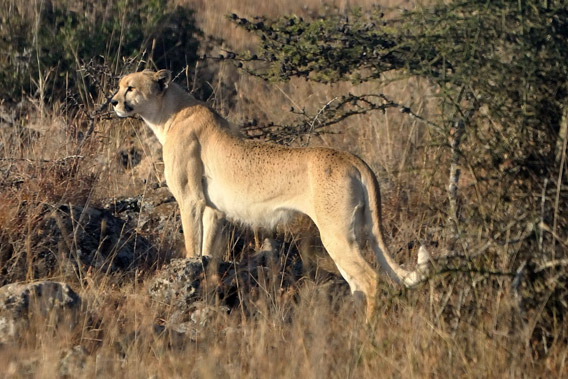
[46, 45]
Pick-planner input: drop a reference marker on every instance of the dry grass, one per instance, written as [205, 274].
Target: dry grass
[318, 335]
[442, 329]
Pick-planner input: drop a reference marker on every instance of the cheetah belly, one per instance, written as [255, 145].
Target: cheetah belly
[256, 211]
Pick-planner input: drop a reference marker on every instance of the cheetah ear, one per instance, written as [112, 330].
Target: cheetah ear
[163, 78]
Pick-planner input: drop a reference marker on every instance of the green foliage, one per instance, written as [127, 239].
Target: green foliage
[46, 47]
[509, 55]
[326, 50]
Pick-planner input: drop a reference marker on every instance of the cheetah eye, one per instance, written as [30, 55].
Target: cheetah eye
[129, 88]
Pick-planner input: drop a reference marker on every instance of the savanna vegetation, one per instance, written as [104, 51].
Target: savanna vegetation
[460, 107]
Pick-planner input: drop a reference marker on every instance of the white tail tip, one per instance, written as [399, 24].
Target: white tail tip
[423, 258]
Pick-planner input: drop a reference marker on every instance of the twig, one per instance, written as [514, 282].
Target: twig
[29, 160]
[547, 228]
[312, 124]
[552, 264]
[564, 128]
[455, 171]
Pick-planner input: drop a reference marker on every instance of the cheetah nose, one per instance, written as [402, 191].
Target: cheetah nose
[114, 102]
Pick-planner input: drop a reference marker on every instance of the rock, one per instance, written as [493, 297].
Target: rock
[150, 213]
[202, 313]
[183, 282]
[73, 362]
[70, 237]
[98, 238]
[197, 289]
[8, 329]
[22, 368]
[53, 301]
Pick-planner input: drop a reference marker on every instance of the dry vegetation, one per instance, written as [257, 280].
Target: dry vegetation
[60, 153]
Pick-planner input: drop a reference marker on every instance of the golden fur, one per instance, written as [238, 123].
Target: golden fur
[214, 173]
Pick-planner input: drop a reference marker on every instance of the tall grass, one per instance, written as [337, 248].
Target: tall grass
[319, 334]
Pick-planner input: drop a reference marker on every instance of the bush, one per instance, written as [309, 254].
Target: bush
[46, 46]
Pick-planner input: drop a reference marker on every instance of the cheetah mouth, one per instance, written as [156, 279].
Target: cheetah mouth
[128, 108]
[125, 112]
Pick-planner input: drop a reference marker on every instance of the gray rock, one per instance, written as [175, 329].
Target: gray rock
[69, 238]
[96, 238]
[150, 213]
[182, 287]
[185, 281]
[52, 301]
[73, 362]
